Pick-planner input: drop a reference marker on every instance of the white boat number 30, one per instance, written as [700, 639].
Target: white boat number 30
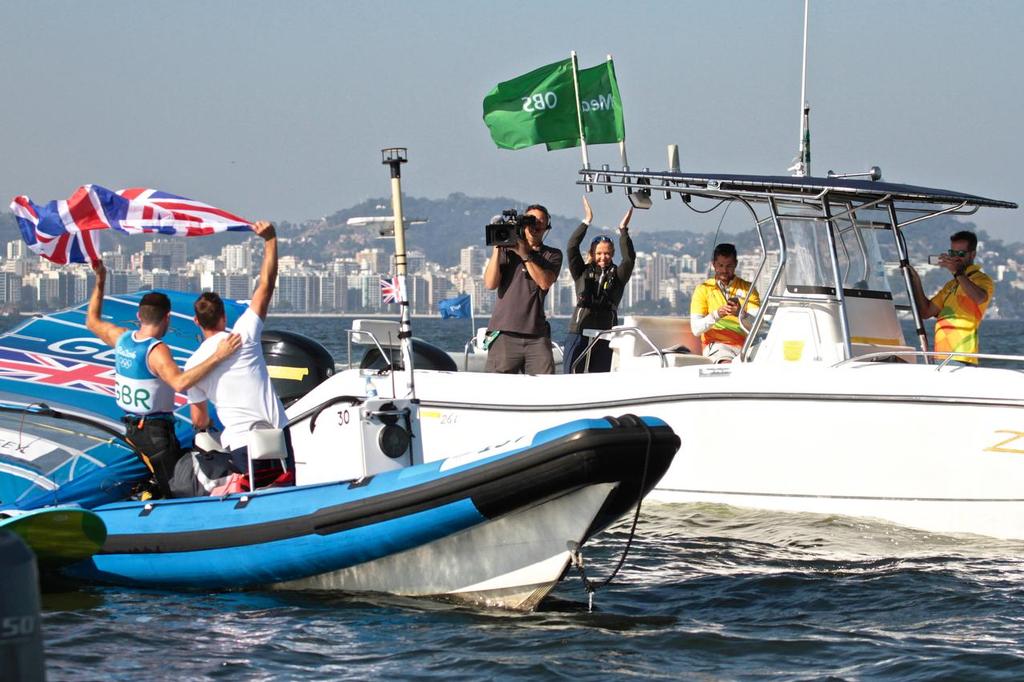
[1016, 437]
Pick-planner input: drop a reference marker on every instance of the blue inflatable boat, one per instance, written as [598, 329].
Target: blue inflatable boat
[369, 512]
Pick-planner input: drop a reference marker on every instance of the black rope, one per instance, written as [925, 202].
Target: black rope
[697, 210]
[592, 586]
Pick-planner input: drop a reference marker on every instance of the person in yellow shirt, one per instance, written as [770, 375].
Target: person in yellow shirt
[715, 307]
[961, 303]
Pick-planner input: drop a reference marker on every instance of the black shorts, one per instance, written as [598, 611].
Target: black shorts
[153, 437]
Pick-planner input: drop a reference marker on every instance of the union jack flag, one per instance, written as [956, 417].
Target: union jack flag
[391, 290]
[60, 372]
[39, 368]
[63, 231]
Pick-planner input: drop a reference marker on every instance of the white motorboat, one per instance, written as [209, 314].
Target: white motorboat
[829, 409]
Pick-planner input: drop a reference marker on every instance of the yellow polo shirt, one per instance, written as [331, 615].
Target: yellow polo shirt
[956, 326]
[708, 296]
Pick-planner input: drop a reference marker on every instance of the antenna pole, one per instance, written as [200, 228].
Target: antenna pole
[395, 157]
[803, 166]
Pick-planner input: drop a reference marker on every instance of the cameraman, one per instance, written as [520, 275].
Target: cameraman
[519, 335]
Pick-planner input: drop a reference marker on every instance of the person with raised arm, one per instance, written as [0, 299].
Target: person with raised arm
[600, 284]
[147, 377]
[241, 389]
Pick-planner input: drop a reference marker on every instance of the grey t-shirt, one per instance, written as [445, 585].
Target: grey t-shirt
[520, 304]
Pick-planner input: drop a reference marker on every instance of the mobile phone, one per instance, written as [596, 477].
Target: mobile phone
[934, 259]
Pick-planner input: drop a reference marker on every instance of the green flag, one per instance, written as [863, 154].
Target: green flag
[535, 108]
[600, 106]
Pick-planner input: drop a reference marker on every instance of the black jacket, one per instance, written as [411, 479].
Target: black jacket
[598, 293]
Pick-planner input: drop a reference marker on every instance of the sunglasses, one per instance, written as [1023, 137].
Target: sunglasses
[597, 240]
[956, 253]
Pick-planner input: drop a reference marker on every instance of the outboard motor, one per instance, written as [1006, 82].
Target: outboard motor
[424, 356]
[296, 363]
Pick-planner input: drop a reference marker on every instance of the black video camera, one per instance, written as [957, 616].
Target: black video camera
[508, 228]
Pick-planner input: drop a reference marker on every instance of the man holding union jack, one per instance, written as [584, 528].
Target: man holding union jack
[240, 389]
[147, 377]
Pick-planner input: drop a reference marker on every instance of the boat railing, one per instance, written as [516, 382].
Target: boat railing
[949, 357]
[597, 334]
[363, 338]
[469, 349]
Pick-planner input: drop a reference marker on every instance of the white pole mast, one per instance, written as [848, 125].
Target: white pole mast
[803, 165]
[579, 113]
[622, 142]
[395, 157]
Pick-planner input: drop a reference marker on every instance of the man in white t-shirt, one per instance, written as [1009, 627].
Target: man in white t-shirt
[240, 387]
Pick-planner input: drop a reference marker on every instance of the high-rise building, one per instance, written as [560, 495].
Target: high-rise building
[293, 293]
[238, 258]
[373, 261]
[472, 260]
[344, 266]
[333, 293]
[10, 288]
[415, 262]
[659, 266]
[482, 297]
[16, 250]
[439, 287]
[175, 249]
[688, 263]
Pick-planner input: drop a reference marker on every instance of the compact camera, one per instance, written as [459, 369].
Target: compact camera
[508, 228]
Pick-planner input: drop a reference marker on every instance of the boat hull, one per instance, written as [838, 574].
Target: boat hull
[561, 485]
[511, 562]
[938, 450]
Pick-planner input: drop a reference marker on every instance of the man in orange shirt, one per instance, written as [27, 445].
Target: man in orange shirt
[959, 305]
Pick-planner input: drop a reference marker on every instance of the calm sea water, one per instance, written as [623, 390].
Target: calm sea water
[708, 592]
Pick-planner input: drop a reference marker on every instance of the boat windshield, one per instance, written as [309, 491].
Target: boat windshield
[808, 266]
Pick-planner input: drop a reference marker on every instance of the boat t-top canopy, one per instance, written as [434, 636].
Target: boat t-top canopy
[825, 224]
[837, 190]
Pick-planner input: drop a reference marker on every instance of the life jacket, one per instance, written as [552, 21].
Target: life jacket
[598, 295]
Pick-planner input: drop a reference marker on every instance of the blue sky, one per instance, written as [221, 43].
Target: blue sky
[279, 110]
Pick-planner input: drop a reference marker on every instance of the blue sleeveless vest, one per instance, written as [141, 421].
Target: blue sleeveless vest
[138, 390]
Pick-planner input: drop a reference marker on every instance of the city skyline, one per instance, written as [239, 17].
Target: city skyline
[662, 282]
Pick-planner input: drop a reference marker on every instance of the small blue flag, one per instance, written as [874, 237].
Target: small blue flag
[458, 307]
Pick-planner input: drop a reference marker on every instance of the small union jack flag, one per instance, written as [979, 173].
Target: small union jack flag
[64, 231]
[391, 290]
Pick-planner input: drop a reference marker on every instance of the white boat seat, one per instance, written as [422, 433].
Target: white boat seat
[671, 335]
[206, 441]
[265, 443]
[385, 331]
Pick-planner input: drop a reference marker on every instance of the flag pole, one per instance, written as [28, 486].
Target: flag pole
[579, 113]
[395, 157]
[622, 142]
